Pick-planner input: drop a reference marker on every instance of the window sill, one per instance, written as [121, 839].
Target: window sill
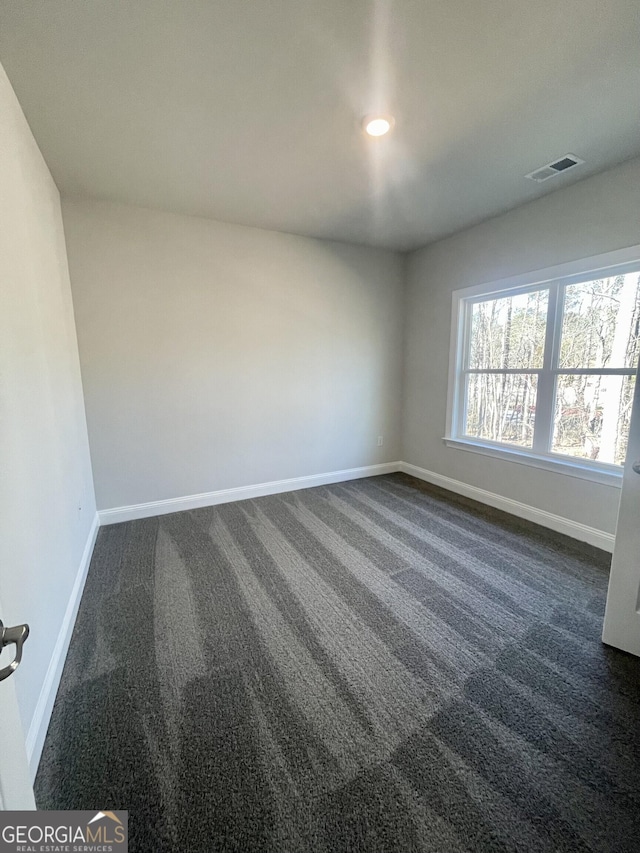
[607, 476]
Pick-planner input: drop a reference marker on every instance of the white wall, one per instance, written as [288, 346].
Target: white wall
[216, 356]
[597, 215]
[47, 505]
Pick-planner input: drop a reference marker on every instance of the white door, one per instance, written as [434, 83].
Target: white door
[16, 791]
[622, 616]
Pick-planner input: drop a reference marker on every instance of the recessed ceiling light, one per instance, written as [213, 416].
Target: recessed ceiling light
[377, 125]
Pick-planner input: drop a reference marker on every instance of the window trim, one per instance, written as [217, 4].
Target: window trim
[573, 272]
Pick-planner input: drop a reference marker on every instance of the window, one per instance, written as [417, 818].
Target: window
[547, 370]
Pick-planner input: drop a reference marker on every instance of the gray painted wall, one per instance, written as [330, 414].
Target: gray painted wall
[597, 215]
[215, 356]
[47, 504]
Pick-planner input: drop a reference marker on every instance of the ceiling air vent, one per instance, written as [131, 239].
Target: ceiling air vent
[555, 168]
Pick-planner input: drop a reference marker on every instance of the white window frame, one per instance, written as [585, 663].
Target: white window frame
[555, 279]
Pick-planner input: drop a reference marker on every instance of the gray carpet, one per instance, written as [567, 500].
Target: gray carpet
[371, 666]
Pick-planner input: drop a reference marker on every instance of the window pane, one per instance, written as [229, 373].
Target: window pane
[600, 323]
[501, 407]
[592, 417]
[509, 332]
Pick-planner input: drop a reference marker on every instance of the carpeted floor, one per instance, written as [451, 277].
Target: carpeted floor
[369, 667]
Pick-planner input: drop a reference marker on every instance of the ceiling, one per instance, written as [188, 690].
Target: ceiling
[249, 111]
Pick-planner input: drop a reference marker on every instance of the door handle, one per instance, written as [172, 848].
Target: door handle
[12, 636]
[636, 467]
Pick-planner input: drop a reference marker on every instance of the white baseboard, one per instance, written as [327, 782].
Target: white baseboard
[42, 714]
[582, 532]
[241, 493]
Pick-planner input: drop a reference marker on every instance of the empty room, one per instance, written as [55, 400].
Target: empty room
[319, 426]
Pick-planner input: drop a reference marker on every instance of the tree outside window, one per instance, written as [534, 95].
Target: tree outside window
[551, 369]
